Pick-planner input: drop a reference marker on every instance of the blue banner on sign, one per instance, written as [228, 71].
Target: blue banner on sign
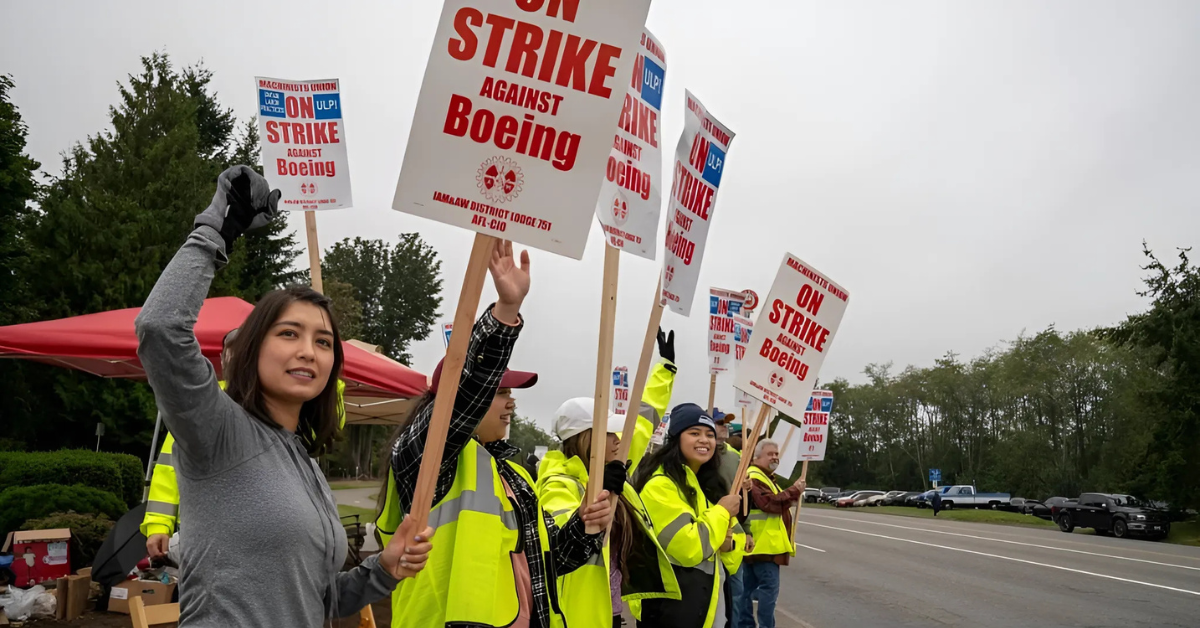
[714, 165]
[652, 83]
[616, 378]
[826, 404]
[270, 104]
[327, 106]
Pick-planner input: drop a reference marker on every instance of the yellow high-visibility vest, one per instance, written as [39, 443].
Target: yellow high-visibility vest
[584, 593]
[468, 578]
[770, 534]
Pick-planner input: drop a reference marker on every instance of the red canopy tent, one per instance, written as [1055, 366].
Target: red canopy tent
[105, 344]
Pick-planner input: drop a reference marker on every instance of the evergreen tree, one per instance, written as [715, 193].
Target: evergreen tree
[107, 227]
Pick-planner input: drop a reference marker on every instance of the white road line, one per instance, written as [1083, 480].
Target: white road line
[988, 538]
[1009, 558]
[783, 611]
[811, 548]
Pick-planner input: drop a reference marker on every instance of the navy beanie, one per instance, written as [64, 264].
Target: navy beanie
[688, 415]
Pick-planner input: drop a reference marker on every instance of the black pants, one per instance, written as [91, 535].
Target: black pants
[617, 621]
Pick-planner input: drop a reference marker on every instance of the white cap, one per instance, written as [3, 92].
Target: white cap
[575, 416]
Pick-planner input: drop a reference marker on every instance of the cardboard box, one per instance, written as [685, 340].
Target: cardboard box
[39, 555]
[151, 593]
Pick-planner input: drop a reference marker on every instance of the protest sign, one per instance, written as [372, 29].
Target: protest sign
[514, 122]
[806, 441]
[304, 142]
[793, 333]
[631, 193]
[742, 328]
[699, 163]
[742, 400]
[446, 329]
[620, 389]
[723, 305]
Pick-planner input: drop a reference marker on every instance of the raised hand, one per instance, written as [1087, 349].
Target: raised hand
[406, 553]
[666, 345]
[511, 281]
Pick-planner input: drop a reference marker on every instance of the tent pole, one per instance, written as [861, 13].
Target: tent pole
[153, 450]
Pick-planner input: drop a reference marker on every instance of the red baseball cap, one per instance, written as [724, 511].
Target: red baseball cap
[510, 379]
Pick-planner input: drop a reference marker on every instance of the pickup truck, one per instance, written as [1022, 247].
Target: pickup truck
[965, 495]
[1120, 515]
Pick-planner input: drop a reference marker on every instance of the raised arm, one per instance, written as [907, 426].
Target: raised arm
[184, 383]
[492, 341]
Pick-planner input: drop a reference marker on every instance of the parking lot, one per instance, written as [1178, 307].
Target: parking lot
[855, 568]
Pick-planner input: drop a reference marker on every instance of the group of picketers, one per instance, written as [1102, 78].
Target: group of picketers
[261, 542]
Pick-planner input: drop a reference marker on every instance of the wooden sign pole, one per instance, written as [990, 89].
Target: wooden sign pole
[314, 255]
[456, 356]
[712, 391]
[796, 517]
[608, 316]
[748, 449]
[643, 373]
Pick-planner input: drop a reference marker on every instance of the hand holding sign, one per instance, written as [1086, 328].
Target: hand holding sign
[511, 281]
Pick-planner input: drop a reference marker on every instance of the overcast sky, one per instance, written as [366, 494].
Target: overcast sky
[967, 172]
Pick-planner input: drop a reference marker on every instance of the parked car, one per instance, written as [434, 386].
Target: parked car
[965, 495]
[828, 493]
[1122, 515]
[1044, 509]
[877, 500]
[901, 499]
[854, 497]
[811, 495]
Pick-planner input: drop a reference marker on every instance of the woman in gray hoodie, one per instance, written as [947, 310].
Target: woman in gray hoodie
[264, 545]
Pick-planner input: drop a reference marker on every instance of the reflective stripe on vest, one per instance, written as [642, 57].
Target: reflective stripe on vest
[468, 579]
[162, 508]
[771, 537]
[671, 529]
[165, 459]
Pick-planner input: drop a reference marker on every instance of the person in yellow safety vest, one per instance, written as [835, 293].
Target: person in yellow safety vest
[633, 566]
[770, 522]
[497, 553]
[162, 502]
[695, 518]
[655, 399]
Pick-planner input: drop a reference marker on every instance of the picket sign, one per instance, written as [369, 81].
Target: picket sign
[504, 145]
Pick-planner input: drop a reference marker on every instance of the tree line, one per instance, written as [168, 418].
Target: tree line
[1054, 413]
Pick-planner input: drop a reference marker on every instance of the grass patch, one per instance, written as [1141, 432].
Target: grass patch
[1185, 533]
[349, 484]
[365, 515]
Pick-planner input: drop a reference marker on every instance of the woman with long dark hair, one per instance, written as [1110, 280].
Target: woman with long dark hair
[264, 545]
[681, 486]
[634, 567]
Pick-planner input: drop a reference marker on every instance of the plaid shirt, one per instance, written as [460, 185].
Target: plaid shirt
[487, 358]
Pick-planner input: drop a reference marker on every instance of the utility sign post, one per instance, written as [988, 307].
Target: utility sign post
[935, 476]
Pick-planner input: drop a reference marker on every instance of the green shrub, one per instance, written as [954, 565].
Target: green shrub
[19, 504]
[119, 474]
[88, 532]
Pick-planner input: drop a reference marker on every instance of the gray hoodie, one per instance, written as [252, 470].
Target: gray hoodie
[263, 544]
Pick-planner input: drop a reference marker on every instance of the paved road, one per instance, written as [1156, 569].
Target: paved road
[862, 570]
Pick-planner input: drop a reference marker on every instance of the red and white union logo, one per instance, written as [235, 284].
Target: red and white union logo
[500, 179]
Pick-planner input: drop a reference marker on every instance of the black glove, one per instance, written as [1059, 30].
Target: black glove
[615, 477]
[666, 345]
[243, 201]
